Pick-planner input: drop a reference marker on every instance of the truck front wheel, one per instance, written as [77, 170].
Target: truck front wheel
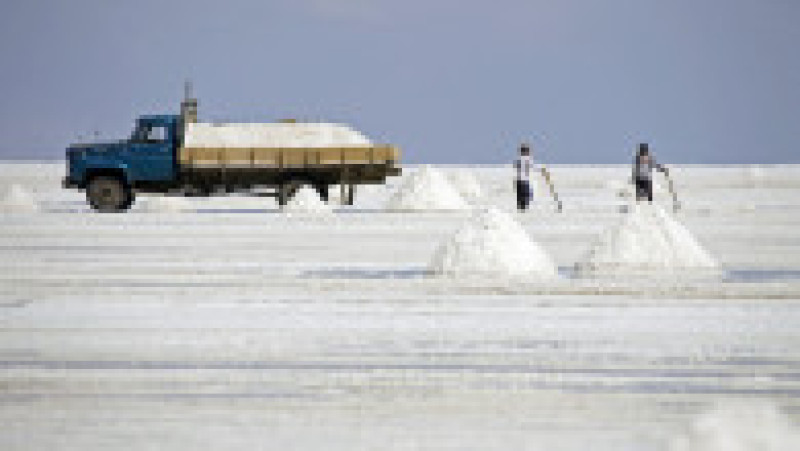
[108, 194]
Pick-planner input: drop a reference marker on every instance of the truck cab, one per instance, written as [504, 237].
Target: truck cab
[109, 172]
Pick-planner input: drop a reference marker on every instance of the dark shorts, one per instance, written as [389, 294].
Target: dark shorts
[644, 189]
[524, 194]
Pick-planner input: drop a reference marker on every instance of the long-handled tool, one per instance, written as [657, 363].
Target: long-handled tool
[546, 175]
[676, 205]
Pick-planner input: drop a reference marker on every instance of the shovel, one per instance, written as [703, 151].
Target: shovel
[676, 205]
[546, 175]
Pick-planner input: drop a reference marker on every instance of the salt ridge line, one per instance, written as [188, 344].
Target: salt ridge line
[647, 240]
[426, 189]
[492, 243]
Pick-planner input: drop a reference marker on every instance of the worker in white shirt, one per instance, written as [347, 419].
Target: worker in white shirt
[524, 166]
[643, 166]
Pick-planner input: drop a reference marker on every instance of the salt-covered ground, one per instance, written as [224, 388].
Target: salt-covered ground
[226, 323]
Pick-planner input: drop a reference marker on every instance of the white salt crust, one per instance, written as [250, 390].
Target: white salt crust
[18, 200]
[466, 184]
[738, 425]
[164, 204]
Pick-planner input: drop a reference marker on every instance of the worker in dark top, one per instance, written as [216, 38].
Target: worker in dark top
[643, 166]
[523, 166]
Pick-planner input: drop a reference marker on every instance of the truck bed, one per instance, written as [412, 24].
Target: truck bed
[278, 157]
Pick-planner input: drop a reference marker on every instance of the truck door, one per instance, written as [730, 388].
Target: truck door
[150, 157]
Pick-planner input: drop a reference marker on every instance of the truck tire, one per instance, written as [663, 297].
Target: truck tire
[350, 198]
[109, 194]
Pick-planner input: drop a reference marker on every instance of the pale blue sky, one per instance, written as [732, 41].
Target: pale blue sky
[704, 81]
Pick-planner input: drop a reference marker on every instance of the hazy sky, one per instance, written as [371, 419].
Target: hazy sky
[450, 81]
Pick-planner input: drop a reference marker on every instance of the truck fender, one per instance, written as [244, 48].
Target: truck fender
[121, 171]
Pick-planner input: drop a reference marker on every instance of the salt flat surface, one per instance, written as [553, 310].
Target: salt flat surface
[230, 325]
[17, 199]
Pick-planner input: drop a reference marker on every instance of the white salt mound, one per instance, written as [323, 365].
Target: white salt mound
[647, 239]
[426, 189]
[164, 204]
[492, 243]
[466, 184]
[18, 200]
[306, 200]
[284, 135]
[739, 426]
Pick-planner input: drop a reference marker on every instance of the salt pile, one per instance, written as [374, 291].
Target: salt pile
[466, 184]
[18, 200]
[165, 204]
[306, 200]
[647, 239]
[426, 189]
[492, 243]
[739, 426]
[284, 135]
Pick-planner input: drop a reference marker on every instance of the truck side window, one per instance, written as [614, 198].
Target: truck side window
[150, 134]
[157, 134]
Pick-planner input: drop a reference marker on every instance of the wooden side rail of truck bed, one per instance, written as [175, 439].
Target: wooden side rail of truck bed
[242, 168]
[262, 157]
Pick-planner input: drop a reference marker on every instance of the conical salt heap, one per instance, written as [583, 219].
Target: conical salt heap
[426, 189]
[18, 200]
[466, 184]
[646, 240]
[306, 200]
[492, 243]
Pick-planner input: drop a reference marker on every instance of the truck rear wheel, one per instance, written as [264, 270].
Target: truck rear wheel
[287, 190]
[109, 194]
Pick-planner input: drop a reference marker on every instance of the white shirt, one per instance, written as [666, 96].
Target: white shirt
[524, 165]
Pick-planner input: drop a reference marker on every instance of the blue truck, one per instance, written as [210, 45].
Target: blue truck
[174, 154]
